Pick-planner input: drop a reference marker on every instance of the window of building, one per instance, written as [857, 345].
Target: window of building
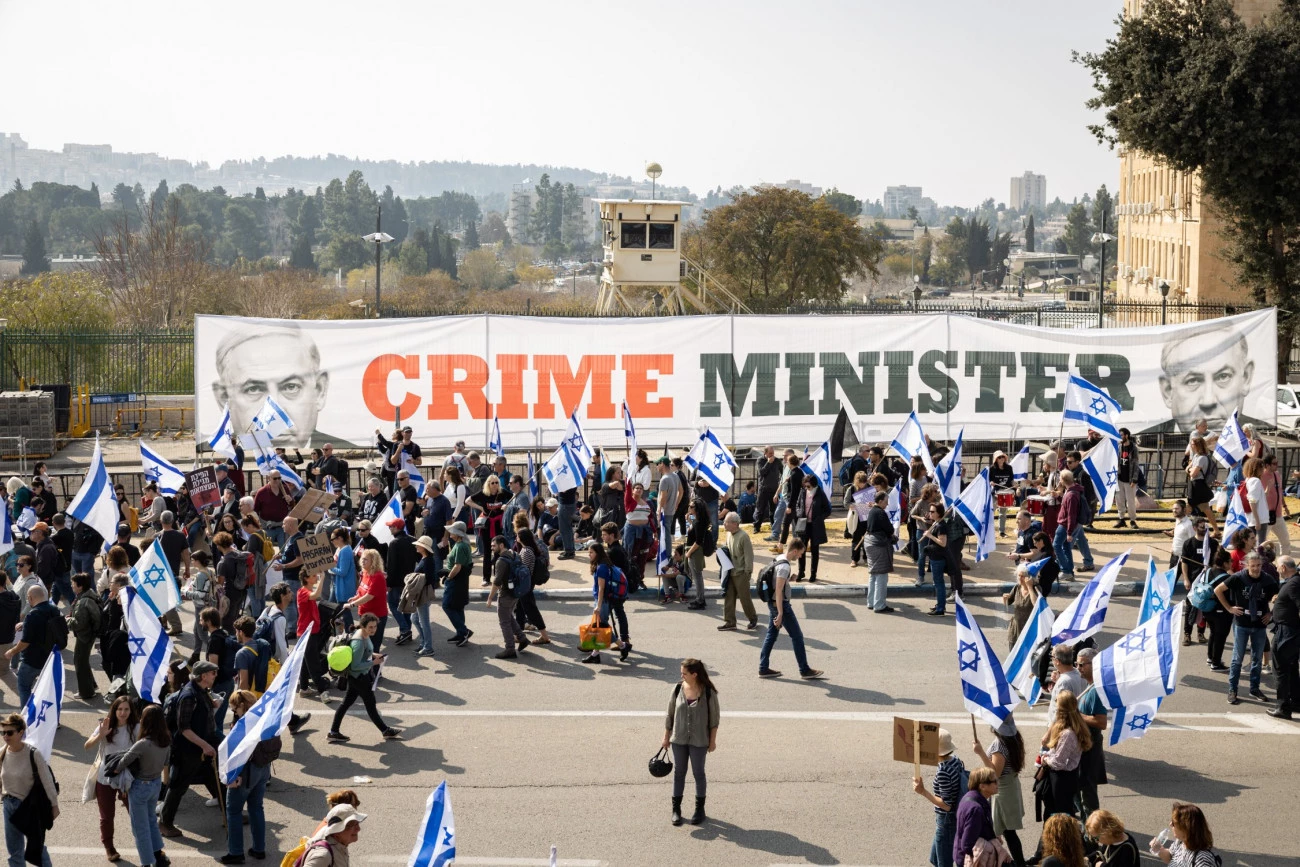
[632, 236]
[661, 236]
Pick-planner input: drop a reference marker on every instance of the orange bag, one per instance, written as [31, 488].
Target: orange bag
[593, 636]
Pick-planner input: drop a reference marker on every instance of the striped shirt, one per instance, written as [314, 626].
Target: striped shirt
[947, 783]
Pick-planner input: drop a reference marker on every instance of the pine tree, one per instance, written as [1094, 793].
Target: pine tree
[471, 237]
[159, 197]
[35, 260]
[300, 256]
[1029, 235]
[433, 249]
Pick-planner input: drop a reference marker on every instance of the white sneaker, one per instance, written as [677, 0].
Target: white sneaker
[210, 802]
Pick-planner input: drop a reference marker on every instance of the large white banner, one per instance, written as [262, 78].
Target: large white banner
[753, 379]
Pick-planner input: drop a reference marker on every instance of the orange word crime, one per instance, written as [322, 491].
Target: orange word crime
[560, 387]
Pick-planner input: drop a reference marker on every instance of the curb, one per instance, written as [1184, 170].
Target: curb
[836, 591]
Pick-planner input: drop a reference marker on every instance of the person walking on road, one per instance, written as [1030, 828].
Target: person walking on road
[150, 752]
[691, 730]
[781, 615]
[1006, 757]
[502, 592]
[114, 734]
[361, 682]
[740, 548]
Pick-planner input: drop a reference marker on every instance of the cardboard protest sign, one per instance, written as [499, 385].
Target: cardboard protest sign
[203, 487]
[317, 553]
[906, 734]
[313, 507]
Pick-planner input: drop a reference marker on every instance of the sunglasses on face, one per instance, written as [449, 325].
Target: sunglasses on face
[8, 733]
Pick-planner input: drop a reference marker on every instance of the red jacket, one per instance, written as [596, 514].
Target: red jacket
[1068, 517]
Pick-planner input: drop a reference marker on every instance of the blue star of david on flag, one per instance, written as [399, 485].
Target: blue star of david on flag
[1098, 405]
[1135, 642]
[1139, 723]
[985, 690]
[435, 844]
[40, 714]
[137, 648]
[719, 461]
[154, 575]
[973, 664]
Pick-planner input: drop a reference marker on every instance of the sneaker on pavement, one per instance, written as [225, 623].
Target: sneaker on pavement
[1232, 698]
[726, 626]
[771, 672]
[1259, 694]
[296, 724]
[507, 654]
[403, 638]
[337, 738]
[392, 734]
[813, 674]
[523, 643]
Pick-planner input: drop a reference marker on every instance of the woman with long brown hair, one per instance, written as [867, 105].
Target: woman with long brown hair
[1199, 494]
[149, 755]
[1006, 757]
[1066, 741]
[691, 730]
[114, 734]
[1193, 844]
[1062, 844]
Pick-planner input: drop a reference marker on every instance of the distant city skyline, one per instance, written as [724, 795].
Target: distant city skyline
[855, 95]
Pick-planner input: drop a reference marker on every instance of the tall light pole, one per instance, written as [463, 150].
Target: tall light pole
[653, 171]
[1101, 238]
[1164, 302]
[379, 238]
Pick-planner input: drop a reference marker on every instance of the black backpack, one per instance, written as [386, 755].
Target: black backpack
[767, 582]
[56, 632]
[171, 712]
[541, 565]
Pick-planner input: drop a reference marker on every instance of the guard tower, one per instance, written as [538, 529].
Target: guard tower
[645, 270]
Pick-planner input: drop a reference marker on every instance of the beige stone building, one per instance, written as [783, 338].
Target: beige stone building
[1166, 231]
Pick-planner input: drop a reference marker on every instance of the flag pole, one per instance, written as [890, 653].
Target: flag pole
[974, 732]
[916, 749]
[221, 795]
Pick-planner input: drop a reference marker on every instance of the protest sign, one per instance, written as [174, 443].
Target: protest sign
[317, 553]
[203, 487]
[907, 732]
[313, 507]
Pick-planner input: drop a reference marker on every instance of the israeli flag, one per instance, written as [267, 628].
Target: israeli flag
[329, 486]
[1232, 444]
[975, 506]
[435, 845]
[266, 718]
[158, 470]
[563, 470]
[379, 526]
[1087, 403]
[269, 462]
[629, 429]
[577, 440]
[28, 519]
[819, 464]
[7, 533]
[665, 544]
[494, 442]
[223, 441]
[1019, 671]
[894, 509]
[151, 647]
[1086, 614]
[95, 504]
[1037, 566]
[1020, 464]
[533, 486]
[948, 473]
[417, 479]
[153, 579]
[724, 563]
[272, 418]
[910, 441]
[712, 460]
[1236, 518]
[1158, 592]
[984, 687]
[45, 706]
[1142, 665]
[1101, 463]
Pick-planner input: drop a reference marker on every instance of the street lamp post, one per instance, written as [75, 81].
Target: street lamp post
[1101, 238]
[916, 292]
[1164, 302]
[379, 238]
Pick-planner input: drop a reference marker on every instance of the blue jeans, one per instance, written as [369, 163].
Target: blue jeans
[141, 800]
[1063, 551]
[456, 615]
[395, 597]
[778, 515]
[631, 533]
[250, 791]
[424, 627]
[291, 613]
[922, 567]
[83, 563]
[712, 509]
[1241, 635]
[937, 567]
[945, 831]
[61, 589]
[877, 587]
[566, 513]
[15, 842]
[791, 625]
[1080, 541]
[27, 675]
[276, 535]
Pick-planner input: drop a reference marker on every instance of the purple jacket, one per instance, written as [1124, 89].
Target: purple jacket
[974, 822]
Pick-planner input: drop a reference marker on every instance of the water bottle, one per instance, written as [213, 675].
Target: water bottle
[1158, 842]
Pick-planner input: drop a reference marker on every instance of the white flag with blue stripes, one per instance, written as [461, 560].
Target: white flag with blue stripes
[45, 705]
[577, 440]
[271, 462]
[1132, 721]
[975, 507]
[947, 474]
[379, 526]
[665, 555]
[435, 844]
[1087, 613]
[151, 647]
[1232, 444]
[159, 470]
[1101, 463]
[494, 441]
[984, 687]
[910, 442]
[894, 509]
[153, 579]
[223, 441]
[266, 718]
[629, 429]
[1019, 671]
[1037, 566]
[1087, 403]
[1020, 464]
[1158, 592]
[417, 479]
[819, 464]
[563, 470]
[95, 504]
[713, 461]
[272, 418]
[329, 486]
[1236, 518]
[1142, 665]
[7, 533]
[533, 485]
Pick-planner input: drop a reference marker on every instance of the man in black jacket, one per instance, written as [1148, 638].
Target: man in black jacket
[400, 562]
[769, 481]
[793, 490]
[194, 753]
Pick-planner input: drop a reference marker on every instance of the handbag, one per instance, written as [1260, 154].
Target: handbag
[801, 527]
[593, 636]
[660, 764]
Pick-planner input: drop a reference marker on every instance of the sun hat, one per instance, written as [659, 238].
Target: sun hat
[458, 530]
[426, 543]
[339, 818]
[945, 743]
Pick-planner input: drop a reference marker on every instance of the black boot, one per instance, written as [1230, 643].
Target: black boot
[677, 811]
[699, 812]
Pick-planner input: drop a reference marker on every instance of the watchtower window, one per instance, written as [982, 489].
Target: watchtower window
[661, 236]
[633, 236]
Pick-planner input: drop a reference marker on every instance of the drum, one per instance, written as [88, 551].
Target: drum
[1037, 505]
[1006, 500]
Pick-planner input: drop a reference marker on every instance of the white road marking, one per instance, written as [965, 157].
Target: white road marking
[469, 861]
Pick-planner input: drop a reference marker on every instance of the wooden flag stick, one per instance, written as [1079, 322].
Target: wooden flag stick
[974, 732]
[916, 748]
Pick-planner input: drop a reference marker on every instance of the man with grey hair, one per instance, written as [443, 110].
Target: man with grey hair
[1248, 595]
[43, 628]
[1205, 375]
[740, 548]
[1066, 677]
[176, 548]
[1286, 639]
[1092, 765]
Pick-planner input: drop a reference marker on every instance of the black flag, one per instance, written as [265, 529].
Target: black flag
[842, 436]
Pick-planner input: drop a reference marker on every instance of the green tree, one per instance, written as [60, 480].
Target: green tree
[1191, 85]
[1078, 231]
[842, 202]
[347, 252]
[1029, 235]
[308, 220]
[300, 256]
[243, 231]
[977, 246]
[159, 198]
[413, 256]
[925, 254]
[776, 247]
[1103, 204]
[471, 237]
[124, 198]
[35, 259]
[494, 229]
[482, 270]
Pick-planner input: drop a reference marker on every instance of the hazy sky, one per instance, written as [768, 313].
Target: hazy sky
[953, 95]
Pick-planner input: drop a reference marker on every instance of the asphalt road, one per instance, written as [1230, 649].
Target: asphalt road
[544, 750]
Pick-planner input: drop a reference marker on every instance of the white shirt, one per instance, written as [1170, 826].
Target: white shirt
[1258, 502]
[1182, 532]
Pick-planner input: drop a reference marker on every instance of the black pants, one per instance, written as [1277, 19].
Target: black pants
[81, 661]
[187, 768]
[858, 532]
[313, 667]
[1220, 623]
[615, 606]
[1286, 661]
[679, 520]
[526, 612]
[787, 522]
[378, 638]
[363, 687]
[763, 509]
[236, 598]
[696, 755]
[1190, 615]
[816, 551]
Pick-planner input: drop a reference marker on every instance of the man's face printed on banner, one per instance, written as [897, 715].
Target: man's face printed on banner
[282, 363]
[1205, 377]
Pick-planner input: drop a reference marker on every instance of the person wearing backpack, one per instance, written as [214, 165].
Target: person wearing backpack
[10, 609]
[361, 682]
[248, 789]
[511, 577]
[701, 543]
[329, 847]
[609, 590]
[269, 632]
[85, 621]
[538, 561]
[421, 596]
[691, 730]
[43, 629]
[219, 648]
[950, 783]
[195, 736]
[27, 771]
[232, 569]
